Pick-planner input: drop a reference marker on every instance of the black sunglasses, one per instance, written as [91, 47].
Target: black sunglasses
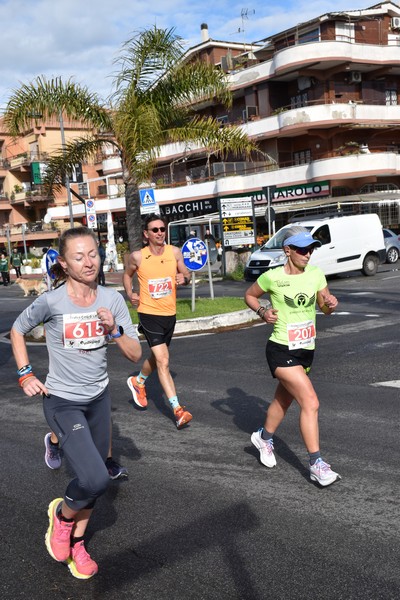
[157, 229]
[303, 251]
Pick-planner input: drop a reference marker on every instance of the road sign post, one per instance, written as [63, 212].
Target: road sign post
[195, 256]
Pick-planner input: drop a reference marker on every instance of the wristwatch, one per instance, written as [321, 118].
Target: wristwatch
[120, 331]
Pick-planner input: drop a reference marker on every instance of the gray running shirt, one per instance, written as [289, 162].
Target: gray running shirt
[76, 340]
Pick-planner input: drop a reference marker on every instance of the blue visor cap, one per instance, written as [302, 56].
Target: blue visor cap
[302, 240]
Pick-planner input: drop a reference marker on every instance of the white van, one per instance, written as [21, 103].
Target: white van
[348, 244]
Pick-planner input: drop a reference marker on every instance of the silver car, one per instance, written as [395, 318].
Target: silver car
[392, 245]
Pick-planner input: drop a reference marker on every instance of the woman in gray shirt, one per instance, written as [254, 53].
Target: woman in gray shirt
[79, 318]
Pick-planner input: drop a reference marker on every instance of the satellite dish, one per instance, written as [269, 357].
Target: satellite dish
[47, 218]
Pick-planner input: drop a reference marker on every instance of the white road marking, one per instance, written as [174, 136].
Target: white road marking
[395, 383]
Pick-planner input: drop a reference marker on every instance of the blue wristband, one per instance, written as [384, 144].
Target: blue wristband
[24, 370]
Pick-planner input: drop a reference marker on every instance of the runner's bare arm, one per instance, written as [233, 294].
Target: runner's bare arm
[252, 295]
[326, 301]
[182, 276]
[31, 385]
[129, 273]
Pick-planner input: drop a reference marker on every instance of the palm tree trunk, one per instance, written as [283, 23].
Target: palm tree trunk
[133, 216]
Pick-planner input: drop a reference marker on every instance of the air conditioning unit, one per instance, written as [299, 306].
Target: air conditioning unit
[249, 112]
[355, 77]
[395, 22]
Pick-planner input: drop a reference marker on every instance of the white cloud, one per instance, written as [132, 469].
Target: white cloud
[81, 38]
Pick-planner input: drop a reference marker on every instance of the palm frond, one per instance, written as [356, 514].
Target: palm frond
[208, 133]
[61, 165]
[43, 99]
[146, 57]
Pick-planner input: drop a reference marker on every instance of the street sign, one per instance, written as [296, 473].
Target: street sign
[148, 202]
[237, 219]
[194, 252]
[91, 214]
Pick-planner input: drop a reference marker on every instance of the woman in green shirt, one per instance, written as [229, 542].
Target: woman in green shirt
[294, 289]
[4, 269]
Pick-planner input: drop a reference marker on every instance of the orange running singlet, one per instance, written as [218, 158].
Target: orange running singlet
[157, 283]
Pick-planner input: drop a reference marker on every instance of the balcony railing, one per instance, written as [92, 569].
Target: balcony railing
[27, 228]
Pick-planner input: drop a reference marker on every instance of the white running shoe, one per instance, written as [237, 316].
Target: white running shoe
[321, 472]
[266, 448]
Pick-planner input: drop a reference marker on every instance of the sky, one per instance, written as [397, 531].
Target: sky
[81, 39]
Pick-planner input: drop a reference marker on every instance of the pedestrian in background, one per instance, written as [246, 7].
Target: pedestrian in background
[16, 262]
[102, 254]
[4, 269]
[294, 290]
[79, 318]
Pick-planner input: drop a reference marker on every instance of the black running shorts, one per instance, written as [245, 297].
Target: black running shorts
[279, 355]
[156, 329]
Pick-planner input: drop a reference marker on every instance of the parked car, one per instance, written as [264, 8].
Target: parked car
[349, 243]
[392, 245]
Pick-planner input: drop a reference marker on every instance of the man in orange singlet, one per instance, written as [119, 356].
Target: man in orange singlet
[160, 269]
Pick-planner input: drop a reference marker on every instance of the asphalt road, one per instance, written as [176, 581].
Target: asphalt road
[199, 517]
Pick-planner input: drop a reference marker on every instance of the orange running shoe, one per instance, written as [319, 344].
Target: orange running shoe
[80, 564]
[138, 391]
[182, 417]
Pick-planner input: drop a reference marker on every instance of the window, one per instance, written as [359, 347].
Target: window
[391, 97]
[303, 157]
[323, 235]
[309, 36]
[299, 100]
[344, 32]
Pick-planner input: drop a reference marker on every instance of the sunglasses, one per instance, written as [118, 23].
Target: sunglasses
[157, 229]
[303, 251]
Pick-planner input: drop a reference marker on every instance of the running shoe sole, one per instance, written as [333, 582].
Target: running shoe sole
[326, 482]
[134, 393]
[74, 571]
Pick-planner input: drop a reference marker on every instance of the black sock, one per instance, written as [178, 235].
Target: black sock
[54, 444]
[76, 540]
[62, 518]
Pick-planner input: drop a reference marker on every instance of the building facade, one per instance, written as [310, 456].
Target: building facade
[320, 99]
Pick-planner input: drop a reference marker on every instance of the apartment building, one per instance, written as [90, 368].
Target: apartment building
[322, 101]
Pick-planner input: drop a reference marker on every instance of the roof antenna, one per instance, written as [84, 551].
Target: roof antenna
[245, 15]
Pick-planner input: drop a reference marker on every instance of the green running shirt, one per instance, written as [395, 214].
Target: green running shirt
[294, 296]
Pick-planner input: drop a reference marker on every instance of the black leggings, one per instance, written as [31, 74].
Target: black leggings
[83, 430]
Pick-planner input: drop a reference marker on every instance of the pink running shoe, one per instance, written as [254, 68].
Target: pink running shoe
[58, 536]
[80, 564]
[138, 391]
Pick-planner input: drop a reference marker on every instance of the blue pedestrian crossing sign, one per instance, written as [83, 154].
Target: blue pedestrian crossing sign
[147, 201]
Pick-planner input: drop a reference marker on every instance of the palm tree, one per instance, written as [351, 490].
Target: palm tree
[156, 91]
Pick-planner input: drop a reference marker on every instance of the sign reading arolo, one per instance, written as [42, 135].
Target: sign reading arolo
[237, 218]
[293, 192]
[298, 192]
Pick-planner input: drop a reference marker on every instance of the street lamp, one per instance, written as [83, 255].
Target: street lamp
[63, 145]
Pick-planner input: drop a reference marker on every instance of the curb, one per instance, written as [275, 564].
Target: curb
[240, 318]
